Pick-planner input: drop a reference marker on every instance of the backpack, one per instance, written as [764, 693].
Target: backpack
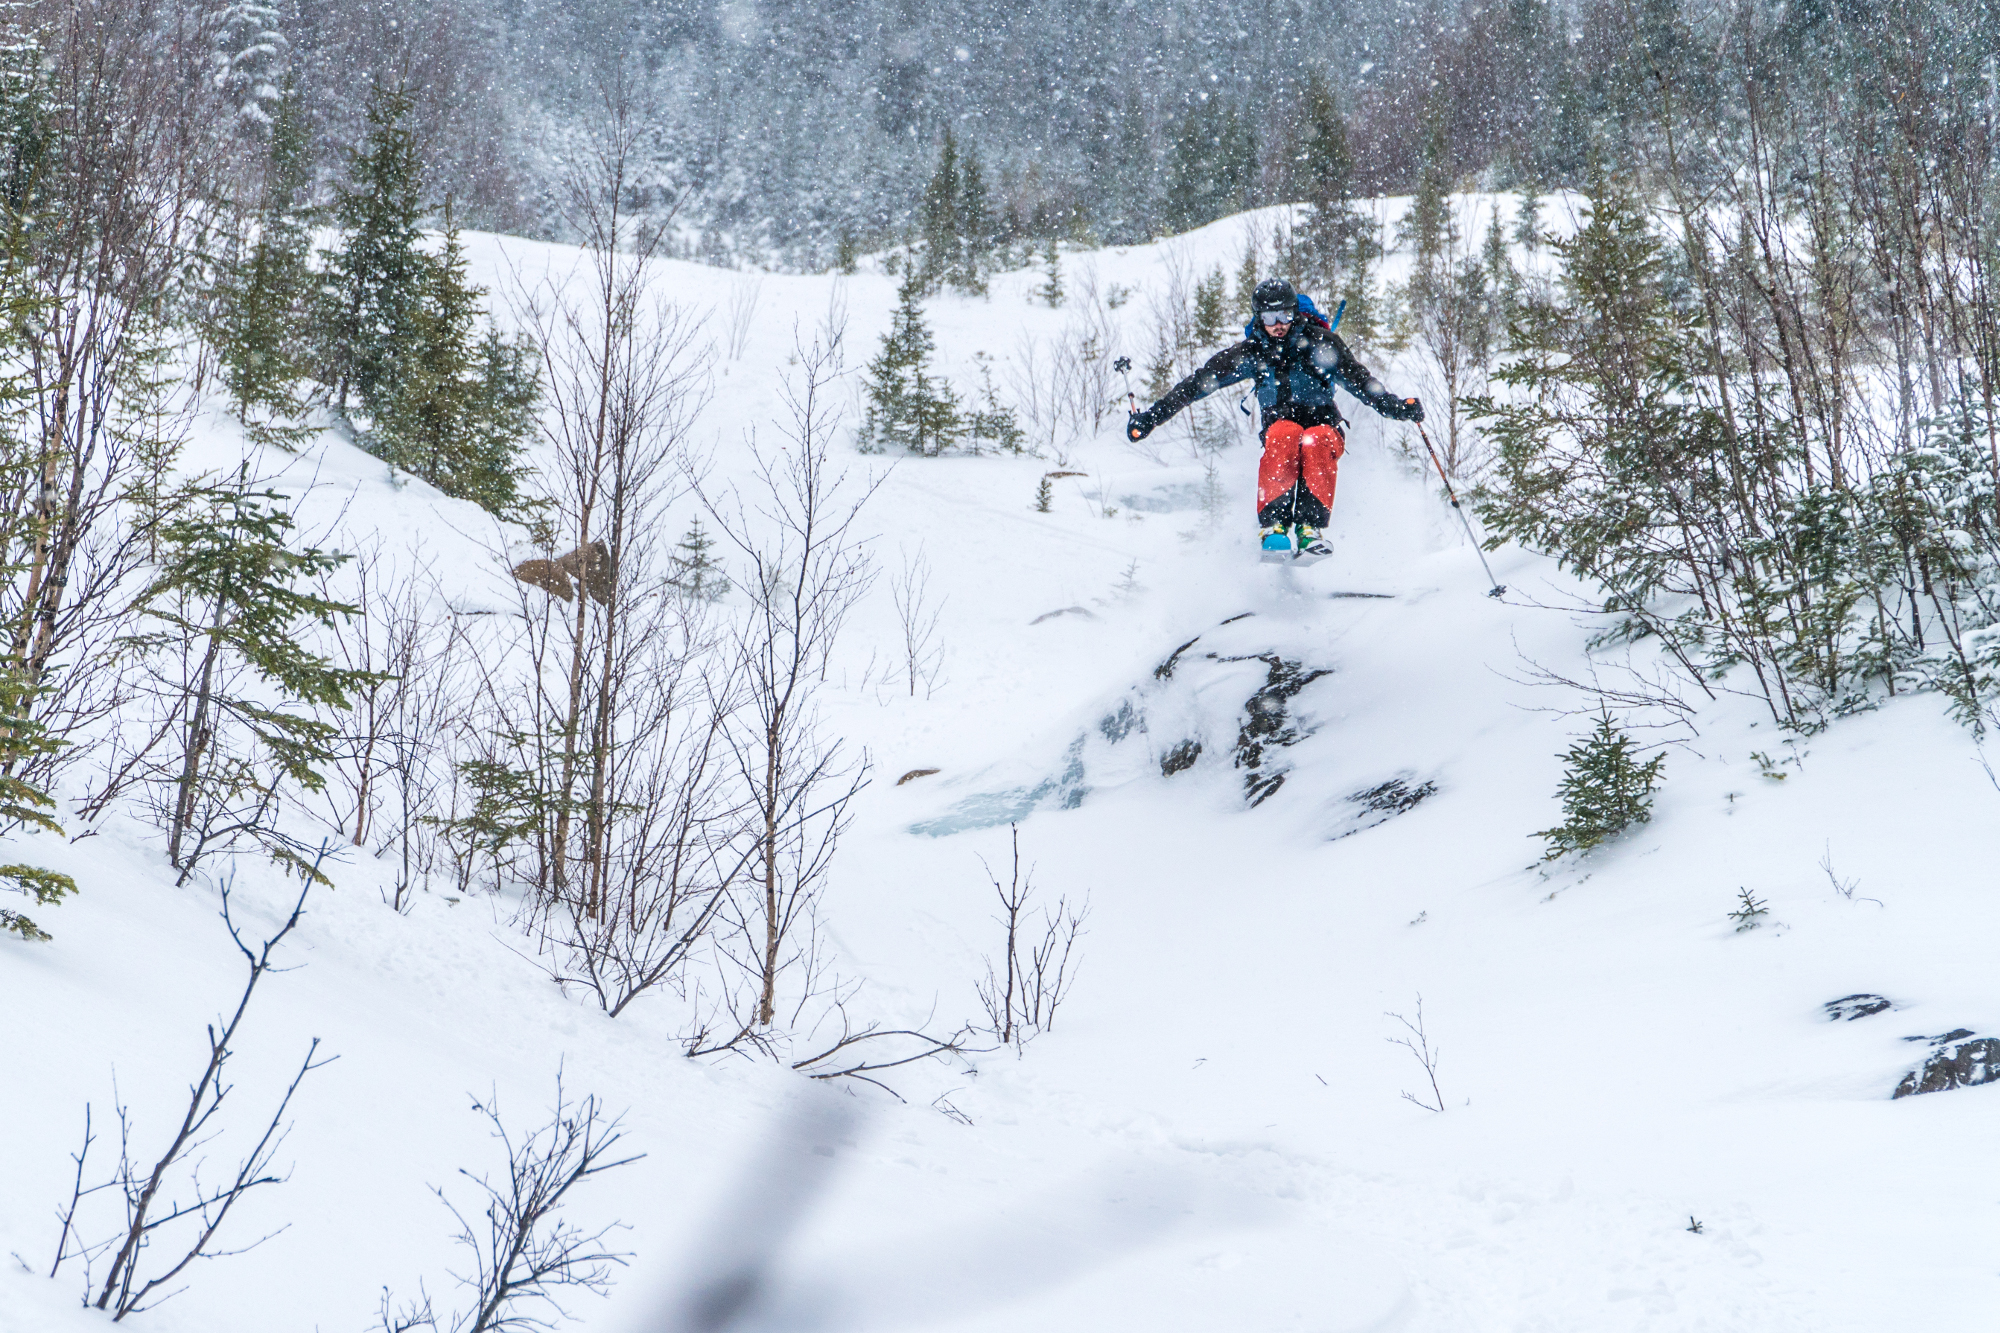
[1311, 312]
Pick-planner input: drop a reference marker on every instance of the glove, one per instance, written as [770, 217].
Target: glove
[1139, 425]
[1407, 409]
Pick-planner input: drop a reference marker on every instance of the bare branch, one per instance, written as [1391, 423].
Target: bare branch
[1418, 1044]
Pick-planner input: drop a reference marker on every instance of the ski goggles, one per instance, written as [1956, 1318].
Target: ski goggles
[1273, 318]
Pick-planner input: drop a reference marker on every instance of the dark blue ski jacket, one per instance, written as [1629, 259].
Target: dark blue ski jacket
[1295, 377]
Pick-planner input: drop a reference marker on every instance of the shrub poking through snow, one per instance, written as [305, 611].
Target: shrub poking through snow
[1750, 909]
[1605, 790]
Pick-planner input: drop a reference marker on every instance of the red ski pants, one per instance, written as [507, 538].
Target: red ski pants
[1296, 477]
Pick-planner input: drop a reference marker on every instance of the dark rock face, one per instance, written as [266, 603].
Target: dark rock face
[1381, 803]
[1117, 726]
[1180, 758]
[1268, 723]
[1850, 1007]
[1955, 1063]
[1394, 796]
[1165, 670]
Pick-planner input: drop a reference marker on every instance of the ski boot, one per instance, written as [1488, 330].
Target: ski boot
[1276, 543]
[1312, 546]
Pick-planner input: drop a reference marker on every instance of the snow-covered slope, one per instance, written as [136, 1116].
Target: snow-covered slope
[1213, 1136]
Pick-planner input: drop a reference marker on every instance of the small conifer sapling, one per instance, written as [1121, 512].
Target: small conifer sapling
[1749, 909]
[696, 572]
[1605, 790]
[1051, 291]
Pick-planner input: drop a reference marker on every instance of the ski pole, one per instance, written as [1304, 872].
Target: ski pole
[1498, 587]
[1123, 365]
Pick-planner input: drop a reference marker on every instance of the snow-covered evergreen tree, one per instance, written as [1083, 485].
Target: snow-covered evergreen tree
[266, 299]
[374, 278]
[462, 403]
[250, 59]
[909, 407]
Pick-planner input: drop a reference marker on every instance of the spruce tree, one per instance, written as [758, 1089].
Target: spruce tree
[993, 422]
[1323, 168]
[1362, 321]
[1051, 290]
[1605, 790]
[266, 299]
[250, 50]
[230, 613]
[1428, 226]
[975, 227]
[24, 804]
[1210, 167]
[461, 404]
[25, 745]
[908, 407]
[696, 572]
[1528, 219]
[1211, 308]
[373, 283]
[938, 219]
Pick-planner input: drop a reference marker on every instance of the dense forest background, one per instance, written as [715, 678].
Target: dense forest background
[782, 130]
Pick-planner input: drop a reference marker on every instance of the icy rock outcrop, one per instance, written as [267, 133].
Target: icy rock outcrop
[1850, 1007]
[1383, 802]
[1180, 758]
[1959, 1060]
[1268, 724]
[1182, 716]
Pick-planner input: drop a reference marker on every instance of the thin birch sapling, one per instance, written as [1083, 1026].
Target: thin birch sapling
[1038, 961]
[526, 1253]
[173, 1204]
[805, 571]
[918, 614]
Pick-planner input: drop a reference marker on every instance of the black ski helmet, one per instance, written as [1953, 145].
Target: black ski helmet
[1274, 294]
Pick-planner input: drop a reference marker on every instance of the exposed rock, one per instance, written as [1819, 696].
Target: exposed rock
[590, 566]
[1268, 723]
[1165, 670]
[1394, 796]
[915, 773]
[1383, 802]
[1851, 1007]
[1064, 611]
[1117, 726]
[546, 575]
[1956, 1063]
[1180, 758]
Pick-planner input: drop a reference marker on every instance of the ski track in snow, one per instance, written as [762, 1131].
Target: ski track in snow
[1213, 1136]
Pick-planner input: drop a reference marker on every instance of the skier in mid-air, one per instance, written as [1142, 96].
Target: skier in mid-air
[1295, 359]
